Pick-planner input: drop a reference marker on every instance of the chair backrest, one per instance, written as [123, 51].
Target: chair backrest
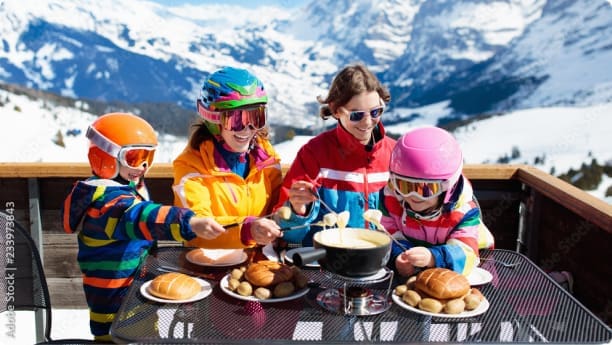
[24, 278]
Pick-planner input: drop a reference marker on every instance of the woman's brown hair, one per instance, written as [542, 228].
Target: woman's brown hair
[350, 81]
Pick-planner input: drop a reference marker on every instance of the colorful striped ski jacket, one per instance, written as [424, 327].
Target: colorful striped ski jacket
[348, 177]
[453, 237]
[119, 227]
[204, 183]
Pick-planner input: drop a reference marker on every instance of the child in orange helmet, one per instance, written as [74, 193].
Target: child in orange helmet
[120, 223]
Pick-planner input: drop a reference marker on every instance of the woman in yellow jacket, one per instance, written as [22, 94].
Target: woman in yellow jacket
[229, 170]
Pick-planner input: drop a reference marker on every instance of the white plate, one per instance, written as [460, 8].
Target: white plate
[484, 305]
[290, 252]
[237, 256]
[479, 276]
[297, 294]
[205, 291]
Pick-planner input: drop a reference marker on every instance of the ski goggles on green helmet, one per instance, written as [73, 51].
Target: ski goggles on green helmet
[237, 119]
[422, 189]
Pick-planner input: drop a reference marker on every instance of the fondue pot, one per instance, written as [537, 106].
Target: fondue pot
[350, 252]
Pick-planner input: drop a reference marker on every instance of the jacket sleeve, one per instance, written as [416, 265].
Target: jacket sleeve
[147, 220]
[305, 168]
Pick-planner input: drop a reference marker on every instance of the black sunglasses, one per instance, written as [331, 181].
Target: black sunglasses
[357, 115]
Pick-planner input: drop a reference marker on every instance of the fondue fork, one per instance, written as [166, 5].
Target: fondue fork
[231, 225]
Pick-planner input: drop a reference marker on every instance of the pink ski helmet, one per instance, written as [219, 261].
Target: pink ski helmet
[428, 153]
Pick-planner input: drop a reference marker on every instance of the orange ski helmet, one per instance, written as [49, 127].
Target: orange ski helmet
[120, 138]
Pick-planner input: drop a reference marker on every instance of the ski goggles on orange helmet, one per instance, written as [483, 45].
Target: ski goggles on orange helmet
[422, 189]
[132, 156]
[237, 119]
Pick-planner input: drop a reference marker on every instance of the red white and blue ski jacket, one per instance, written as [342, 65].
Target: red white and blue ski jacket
[348, 177]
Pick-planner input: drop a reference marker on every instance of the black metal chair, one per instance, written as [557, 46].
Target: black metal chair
[25, 283]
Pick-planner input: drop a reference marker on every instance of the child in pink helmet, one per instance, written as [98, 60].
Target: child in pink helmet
[430, 205]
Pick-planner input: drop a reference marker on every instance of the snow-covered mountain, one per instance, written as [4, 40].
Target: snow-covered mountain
[557, 139]
[483, 56]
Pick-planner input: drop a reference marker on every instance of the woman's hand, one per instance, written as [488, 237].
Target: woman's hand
[300, 195]
[205, 227]
[264, 231]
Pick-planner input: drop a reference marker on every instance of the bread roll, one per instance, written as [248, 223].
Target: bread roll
[267, 273]
[174, 286]
[442, 283]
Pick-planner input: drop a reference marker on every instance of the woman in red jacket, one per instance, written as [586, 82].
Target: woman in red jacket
[344, 167]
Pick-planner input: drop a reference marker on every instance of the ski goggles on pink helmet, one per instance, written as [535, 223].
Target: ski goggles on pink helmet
[420, 188]
[237, 119]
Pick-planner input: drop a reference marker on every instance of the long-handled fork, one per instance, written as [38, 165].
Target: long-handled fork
[503, 263]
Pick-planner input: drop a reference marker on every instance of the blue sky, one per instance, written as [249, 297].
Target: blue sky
[245, 3]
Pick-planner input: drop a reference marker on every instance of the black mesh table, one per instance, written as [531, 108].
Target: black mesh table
[525, 306]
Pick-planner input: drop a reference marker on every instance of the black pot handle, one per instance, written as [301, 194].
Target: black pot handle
[303, 258]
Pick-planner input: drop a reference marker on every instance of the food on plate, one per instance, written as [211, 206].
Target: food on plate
[237, 273]
[442, 283]
[284, 212]
[215, 256]
[267, 273]
[299, 278]
[244, 288]
[174, 286]
[262, 293]
[411, 297]
[454, 306]
[267, 279]
[284, 289]
[431, 305]
[435, 290]
[342, 219]
[233, 283]
[472, 301]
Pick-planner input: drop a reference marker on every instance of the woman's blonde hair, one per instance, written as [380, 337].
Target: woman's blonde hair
[350, 81]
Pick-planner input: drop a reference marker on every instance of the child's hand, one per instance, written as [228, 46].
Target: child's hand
[403, 266]
[419, 257]
[300, 195]
[206, 228]
[264, 231]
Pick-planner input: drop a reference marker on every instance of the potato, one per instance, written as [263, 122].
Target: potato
[237, 273]
[411, 297]
[454, 306]
[475, 291]
[245, 288]
[299, 278]
[472, 301]
[232, 284]
[283, 289]
[262, 293]
[284, 212]
[410, 282]
[431, 305]
[400, 289]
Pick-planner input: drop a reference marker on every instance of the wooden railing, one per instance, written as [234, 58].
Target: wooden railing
[557, 225]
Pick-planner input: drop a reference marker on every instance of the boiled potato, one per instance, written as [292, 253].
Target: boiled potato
[262, 293]
[472, 301]
[232, 284]
[245, 288]
[431, 305]
[454, 306]
[236, 273]
[411, 297]
[283, 289]
[400, 289]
